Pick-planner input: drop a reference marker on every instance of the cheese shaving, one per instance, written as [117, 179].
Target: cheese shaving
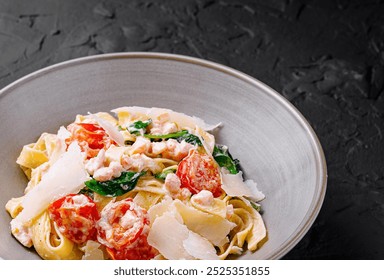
[67, 175]
[233, 185]
[111, 130]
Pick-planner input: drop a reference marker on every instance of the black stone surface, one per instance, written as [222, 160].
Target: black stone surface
[326, 57]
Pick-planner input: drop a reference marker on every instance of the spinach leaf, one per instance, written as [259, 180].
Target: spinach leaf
[224, 159]
[256, 206]
[179, 136]
[139, 127]
[87, 192]
[115, 187]
[166, 136]
[190, 138]
[164, 174]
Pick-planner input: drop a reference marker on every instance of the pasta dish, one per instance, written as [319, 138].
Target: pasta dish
[146, 183]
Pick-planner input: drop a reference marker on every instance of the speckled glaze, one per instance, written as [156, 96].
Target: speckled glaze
[274, 143]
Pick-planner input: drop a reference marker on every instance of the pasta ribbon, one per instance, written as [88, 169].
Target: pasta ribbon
[101, 201]
[250, 226]
[49, 243]
[150, 189]
[14, 206]
[32, 157]
[218, 207]
[147, 199]
[47, 148]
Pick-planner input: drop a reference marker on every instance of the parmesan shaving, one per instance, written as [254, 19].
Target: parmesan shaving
[164, 206]
[92, 251]
[182, 243]
[63, 133]
[67, 175]
[207, 139]
[199, 247]
[233, 185]
[167, 235]
[112, 131]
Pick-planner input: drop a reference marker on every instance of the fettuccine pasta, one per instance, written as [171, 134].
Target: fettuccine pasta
[106, 187]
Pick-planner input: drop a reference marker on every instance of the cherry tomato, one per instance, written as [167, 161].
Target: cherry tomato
[198, 172]
[139, 250]
[76, 216]
[91, 137]
[123, 229]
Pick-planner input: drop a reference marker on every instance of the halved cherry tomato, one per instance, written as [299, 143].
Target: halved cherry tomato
[198, 172]
[91, 138]
[123, 229]
[76, 216]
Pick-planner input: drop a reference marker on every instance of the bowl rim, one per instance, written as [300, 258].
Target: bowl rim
[321, 165]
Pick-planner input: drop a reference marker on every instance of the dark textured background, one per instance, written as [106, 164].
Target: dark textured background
[326, 57]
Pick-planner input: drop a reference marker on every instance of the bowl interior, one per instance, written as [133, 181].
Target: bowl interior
[274, 143]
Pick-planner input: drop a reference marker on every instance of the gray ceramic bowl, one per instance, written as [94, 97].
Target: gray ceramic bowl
[275, 144]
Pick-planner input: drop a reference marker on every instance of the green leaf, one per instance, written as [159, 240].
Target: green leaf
[256, 206]
[167, 136]
[224, 159]
[179, 136]
[139, 127]
[190, 138]
[115, 187]
[164, 174]
[87, 192]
